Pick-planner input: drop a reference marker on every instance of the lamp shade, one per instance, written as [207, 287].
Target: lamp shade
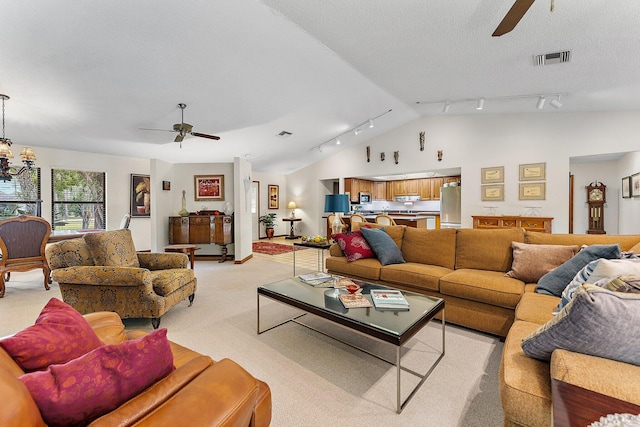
[292, 205]
[336, 203]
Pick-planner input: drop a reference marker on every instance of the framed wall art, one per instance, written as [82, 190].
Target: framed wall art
[492, 193]
[533, 172]
[209, 187]
[533, 191]
[166, 185]
[626, 187]
[140, 197]
[274, 196]
[635, 185]
[492, 175]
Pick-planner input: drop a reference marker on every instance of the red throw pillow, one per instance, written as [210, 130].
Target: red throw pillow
[59, 335]
[354, 245]
[90, 386]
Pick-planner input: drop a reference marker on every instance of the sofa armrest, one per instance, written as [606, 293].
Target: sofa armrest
[108, 326]
[98, 275]
[605, 376]
[162, 260]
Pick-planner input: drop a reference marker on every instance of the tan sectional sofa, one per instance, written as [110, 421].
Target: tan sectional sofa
[466, 267]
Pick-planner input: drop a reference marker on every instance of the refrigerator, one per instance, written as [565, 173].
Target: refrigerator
[450, 207]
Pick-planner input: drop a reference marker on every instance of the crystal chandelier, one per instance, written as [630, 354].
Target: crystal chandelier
[27, 154]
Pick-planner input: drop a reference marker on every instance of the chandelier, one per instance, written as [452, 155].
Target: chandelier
[27, 154]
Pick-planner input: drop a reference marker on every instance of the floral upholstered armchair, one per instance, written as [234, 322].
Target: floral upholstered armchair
[103, 272]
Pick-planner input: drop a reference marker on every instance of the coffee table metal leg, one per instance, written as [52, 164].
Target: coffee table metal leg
[294, 260]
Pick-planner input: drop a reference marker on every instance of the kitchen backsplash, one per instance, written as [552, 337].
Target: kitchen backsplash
[423, 206]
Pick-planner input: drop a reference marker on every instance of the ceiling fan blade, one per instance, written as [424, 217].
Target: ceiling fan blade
[204, 135]
[511, 19]
[158, 130]
[179, 137]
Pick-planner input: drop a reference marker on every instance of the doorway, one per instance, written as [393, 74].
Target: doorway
[255, 208]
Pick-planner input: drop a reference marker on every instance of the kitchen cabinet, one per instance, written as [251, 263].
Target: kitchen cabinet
[366, 186]
[450, 179]
[390, 193]
[352, 186]
[412, 187]
[436, 183]
[425, 189]
[399, 188]
[380, 190]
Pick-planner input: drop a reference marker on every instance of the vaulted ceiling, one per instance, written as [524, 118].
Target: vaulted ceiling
[89, 75]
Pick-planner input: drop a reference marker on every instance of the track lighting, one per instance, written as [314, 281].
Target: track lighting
[540, 103]
[555, 103]
[356, 130]
[480, 104]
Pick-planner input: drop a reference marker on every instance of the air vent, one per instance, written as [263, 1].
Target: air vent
[284, 134]
[552, 58]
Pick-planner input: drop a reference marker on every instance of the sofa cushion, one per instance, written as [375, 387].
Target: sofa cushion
[531, 262]
[580, 278]
[368, 269]
[625, 284]
[413, 274]
[112, 248]
[76, 392]
[536, 308]
[489, 287]
[19, 409]
[554, 282]
[68, 253]
[354, 245]
[525, 385]
[60, 334]
[396, 232]
[167, 281]
[626, 242]
[597, 322]
[480, 249]
[635, 249]
[431, 247]
[386, 250]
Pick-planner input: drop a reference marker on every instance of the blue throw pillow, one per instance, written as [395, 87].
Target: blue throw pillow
[554, 282]
[382, 245]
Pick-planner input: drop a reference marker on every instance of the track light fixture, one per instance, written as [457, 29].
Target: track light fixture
[555, 103]
[540, 97]
[356, 130]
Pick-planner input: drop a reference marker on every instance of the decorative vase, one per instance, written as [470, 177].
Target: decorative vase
[270, 232]
[184, 211]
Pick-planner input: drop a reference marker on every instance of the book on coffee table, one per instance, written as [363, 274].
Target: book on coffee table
[389, 299]
[354, 301]
[317, 279]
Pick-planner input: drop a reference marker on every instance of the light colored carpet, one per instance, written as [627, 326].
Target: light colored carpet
[315, 380]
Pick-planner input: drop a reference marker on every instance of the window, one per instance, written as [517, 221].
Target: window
[21, 195]
[78, 200]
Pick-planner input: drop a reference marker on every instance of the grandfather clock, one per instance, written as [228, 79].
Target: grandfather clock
[596, 198]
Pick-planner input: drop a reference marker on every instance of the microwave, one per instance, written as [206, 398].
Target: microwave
[364, 197]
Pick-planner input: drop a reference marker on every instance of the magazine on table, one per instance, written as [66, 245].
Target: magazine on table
[354, 300]
[389, 299]
[317, 279]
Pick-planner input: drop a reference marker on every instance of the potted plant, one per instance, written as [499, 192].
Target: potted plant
[269, 222]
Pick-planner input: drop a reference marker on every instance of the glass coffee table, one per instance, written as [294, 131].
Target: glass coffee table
[391, 326]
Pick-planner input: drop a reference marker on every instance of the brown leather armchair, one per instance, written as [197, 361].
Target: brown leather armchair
[22, 242]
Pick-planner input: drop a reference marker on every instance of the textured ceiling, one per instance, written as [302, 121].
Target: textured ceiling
[88, 75]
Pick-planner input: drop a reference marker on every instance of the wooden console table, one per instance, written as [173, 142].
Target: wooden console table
[291, 221]
[202, 229]
[529, 223]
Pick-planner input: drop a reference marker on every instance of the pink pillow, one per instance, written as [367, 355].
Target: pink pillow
[60, 334]
[353, 245]
[90, 386]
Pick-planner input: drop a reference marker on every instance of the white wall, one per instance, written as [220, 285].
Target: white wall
[629, 213]
[242, 194]
[265, 180]
[472, 142]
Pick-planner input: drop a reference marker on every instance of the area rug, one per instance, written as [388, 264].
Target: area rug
[272, 248]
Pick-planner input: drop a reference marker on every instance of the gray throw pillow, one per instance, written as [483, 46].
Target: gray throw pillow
[597, 322]
[554, 282]
[383, 246]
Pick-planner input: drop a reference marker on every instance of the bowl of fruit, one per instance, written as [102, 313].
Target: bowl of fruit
[314, 239]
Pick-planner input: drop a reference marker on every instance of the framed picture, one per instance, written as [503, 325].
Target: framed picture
[492, 175]
[635, 185]
[533, 191]
[140, 205]
[492, 193]
[274, 196]
[533, 172]
[626, 187]
[166, 185]
[209, 187]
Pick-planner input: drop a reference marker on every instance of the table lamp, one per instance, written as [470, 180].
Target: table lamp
[336, 203]
[292, 205]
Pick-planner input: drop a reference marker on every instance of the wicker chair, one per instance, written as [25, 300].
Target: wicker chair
[383, 219]
[22, 242]
[103, 272]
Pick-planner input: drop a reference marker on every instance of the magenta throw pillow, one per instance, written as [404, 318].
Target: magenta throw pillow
[59, 335]
[77, 392]
[354, 245]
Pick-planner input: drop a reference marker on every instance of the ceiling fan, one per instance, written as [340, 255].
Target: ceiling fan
[183, 129]
[513, 16]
